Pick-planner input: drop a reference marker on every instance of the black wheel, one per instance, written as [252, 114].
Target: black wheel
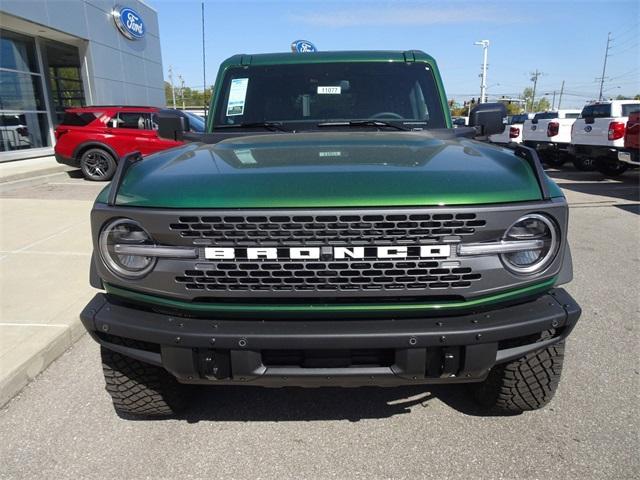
[554, 159]
[138, 388]
[97, 165]
[584, 164]
[528, 383]
[611, 168]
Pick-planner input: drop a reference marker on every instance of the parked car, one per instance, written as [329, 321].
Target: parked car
[630, 156]
[196, 122]
[460, 121]
[94, 138]
[314, 240]
[513, 132]
[598, 135]
[550, 134]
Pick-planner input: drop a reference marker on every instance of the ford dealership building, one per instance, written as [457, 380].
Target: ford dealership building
[56, 54]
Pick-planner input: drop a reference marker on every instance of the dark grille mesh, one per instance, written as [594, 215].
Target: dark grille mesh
[329, 230]
[336, 276]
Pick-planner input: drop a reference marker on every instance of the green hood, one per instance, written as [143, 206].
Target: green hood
[330, 169]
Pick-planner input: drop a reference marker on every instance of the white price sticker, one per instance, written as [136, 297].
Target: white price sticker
[329, 90]
[237, 96]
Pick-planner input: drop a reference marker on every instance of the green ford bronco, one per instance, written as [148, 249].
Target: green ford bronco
[331, 228]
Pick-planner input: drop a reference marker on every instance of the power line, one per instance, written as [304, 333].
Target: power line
[625, 50]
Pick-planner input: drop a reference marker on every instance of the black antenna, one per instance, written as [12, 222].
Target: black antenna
[204, 70]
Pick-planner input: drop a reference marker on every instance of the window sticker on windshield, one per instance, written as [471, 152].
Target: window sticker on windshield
[237, 95]
[329, 90]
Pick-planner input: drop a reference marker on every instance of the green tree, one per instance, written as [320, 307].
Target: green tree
[539, 104]
[190, 96]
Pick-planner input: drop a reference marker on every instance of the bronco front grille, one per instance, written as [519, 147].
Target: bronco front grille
[329, 276]
[329, 230]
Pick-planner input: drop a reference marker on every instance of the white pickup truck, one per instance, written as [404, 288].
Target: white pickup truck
[598, 135]
[513, 131]
[550, 134]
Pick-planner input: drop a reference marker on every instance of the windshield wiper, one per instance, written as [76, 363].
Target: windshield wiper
[364, 123]
[274, 126]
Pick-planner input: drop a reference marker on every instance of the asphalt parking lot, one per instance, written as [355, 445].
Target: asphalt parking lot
[63, 426]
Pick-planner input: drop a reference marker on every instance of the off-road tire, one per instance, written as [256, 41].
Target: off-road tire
[138, 388]
[528, 383]
[611, 168]
[97, 165]
[584, 164]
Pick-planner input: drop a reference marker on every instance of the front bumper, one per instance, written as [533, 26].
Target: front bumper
[64, 160]
[448, 349]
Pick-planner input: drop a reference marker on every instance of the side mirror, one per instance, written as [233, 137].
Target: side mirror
[488, 118]
[172, 126]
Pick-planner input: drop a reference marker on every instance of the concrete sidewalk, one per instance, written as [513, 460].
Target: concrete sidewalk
[29, 172]
[45, 249]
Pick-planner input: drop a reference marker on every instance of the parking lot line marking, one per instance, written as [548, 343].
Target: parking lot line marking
[42, 240]
[20, 252]
[76, 184]
[9, 324]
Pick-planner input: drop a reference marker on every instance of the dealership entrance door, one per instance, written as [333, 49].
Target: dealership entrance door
[62, 72]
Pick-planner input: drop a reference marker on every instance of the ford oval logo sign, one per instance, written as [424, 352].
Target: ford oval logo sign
[129, 22]
[303, 46]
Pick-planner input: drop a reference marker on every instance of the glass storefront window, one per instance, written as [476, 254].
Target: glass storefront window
[17, 52]
[19, 131]
[23, 116]
[20, 91]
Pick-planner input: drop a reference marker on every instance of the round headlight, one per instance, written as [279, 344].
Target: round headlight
[532, 227]
[125, 232]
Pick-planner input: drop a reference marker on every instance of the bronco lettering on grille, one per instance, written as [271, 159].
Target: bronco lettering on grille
[316, 253]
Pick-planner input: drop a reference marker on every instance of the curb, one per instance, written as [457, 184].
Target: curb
[15, 381]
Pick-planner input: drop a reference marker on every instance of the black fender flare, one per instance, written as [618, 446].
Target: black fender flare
[94, 144]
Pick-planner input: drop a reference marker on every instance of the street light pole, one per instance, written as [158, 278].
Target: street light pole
[483, 84]
[173, 90]
[181, 90]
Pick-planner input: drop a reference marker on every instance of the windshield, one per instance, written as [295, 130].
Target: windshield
[518, 119]
[599, 110]
[300, 96]
[545, 116]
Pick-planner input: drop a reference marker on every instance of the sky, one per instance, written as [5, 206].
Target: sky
[563, 39]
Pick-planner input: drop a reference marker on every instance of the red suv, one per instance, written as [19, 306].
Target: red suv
[631, 153]
[94, 138]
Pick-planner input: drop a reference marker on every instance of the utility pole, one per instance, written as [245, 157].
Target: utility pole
[561, 92]
[483, 84]
[204, 69]
[181, 90]
[173, 91]
[534, 79]
[553, 101]
[604, 65]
